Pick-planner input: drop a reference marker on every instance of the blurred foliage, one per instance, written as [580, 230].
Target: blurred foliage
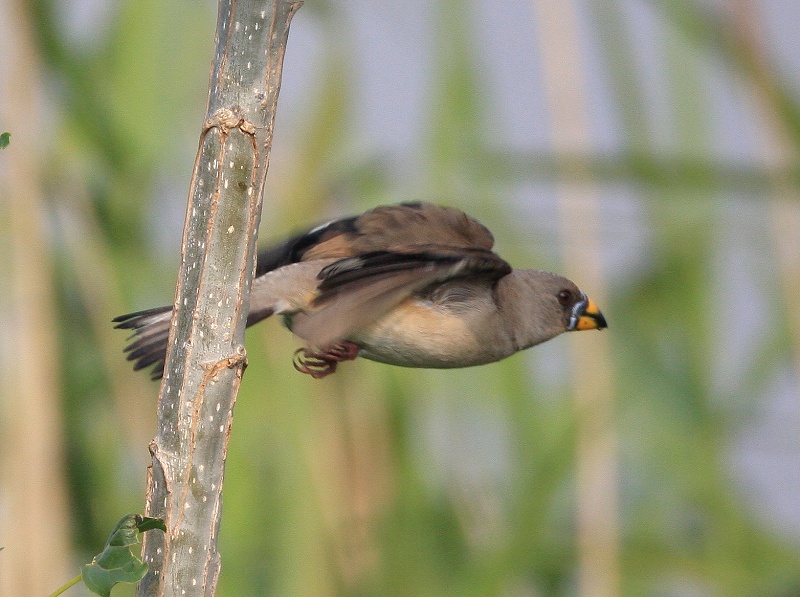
[382, 481]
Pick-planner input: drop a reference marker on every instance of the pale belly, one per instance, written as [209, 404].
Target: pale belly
[421, 335]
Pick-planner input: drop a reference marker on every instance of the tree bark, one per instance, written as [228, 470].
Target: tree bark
[206, 355]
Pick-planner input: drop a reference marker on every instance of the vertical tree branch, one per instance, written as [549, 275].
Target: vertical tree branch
[206, 356]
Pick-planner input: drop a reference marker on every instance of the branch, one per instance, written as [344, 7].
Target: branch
[206, 355]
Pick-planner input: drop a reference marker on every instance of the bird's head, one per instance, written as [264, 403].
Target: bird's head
[558, 306]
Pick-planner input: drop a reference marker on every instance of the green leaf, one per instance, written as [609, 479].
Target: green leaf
[5, 139]
[116, 563]
[148, 524]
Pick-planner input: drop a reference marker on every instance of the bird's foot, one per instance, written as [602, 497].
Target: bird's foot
[321, 363]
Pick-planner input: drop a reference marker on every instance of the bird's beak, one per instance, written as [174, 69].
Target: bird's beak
[586, 316]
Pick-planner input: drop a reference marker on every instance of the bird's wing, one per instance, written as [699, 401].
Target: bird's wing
[388, 228]
[356, 291]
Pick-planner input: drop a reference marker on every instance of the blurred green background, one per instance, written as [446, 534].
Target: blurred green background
[647, 149]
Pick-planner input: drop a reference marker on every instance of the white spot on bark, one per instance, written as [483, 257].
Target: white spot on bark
[230, 229]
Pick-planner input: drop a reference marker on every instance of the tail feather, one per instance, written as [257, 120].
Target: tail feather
[285, 286]
[148, 344]
[145, 346]
[149, 339]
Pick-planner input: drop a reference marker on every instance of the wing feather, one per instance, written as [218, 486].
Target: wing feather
[357, 291]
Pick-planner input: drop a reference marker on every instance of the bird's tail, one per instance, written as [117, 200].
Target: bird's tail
[151, 333]
[149, 339]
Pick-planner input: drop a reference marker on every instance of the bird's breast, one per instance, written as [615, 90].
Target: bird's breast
[420, 333]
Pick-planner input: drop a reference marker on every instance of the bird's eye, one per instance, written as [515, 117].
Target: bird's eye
[565, 298]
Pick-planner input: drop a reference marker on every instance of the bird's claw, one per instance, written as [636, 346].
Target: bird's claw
[319, 364]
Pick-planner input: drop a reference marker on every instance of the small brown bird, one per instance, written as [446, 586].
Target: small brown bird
[415, 285]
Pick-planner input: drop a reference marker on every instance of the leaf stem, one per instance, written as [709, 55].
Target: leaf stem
[65, 586]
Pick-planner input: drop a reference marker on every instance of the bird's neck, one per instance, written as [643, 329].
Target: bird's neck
[519, 301]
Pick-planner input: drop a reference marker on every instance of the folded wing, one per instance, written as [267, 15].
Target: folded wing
[357, 291]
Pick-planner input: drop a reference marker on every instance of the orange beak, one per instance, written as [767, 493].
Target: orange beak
[586, 316]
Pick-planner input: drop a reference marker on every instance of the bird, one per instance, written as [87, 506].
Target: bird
[409, 284]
